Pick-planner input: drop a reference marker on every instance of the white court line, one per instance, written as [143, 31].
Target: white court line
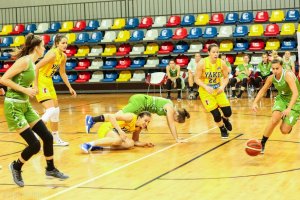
[121, 167]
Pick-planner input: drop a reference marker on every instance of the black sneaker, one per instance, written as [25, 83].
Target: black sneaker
[224, 133]
[262, 148]
[168, 97]
[17, 176]
[56, 174]
[239, 96]
[227, 124]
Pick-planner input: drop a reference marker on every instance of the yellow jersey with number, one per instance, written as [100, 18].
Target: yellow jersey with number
[212, 73]
[49, 69]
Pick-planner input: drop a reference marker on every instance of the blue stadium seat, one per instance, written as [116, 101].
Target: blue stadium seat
[164, 61]
[195, 33]
[30, 28]
[54, 27]
[72, 77]
[137, 35]
[240, 31]
[51, 42]
[110, 63]
[210, 32]
[71, 64]
[165, 34]
[292, 15]
[241, 45]
[188, 20]
[6, 42]
[288, 44]
[231, 18]
[110, 77]
[138, 62]
[132, 23]
[5, 55]
[246, 17]
[92, 25]
[96, 37]
[181, 47]
[57, 78]
[82, 38]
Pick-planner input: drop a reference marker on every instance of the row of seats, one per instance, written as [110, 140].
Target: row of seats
[147, 22]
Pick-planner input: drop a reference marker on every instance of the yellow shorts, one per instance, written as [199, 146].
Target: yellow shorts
[46, 89]
[104, 129]
[213, 101]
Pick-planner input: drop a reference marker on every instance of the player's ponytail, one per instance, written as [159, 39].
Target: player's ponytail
[182, 114]
[31, 41]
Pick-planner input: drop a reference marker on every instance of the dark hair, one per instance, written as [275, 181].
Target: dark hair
[212, 45]
[171, 60]
[275, 61]
[246, 55]
[182, 114]
[143, 113]
[31, 41]
[58, 38]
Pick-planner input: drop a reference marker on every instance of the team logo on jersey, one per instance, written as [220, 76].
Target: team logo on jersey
[219, 68]
[45, 90]
[207, 102]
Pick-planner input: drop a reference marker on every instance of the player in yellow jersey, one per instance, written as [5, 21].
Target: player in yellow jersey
[54, 60]
[112, 133]
[209, 73]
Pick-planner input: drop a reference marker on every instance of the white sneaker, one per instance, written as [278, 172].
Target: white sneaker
[59, 142]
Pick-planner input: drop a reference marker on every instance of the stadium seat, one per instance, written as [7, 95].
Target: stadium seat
[195, 33]
[92, 25]
[42, 28]
[146, 22]
[188, 20]
[96, 37]
[182, 60]
[272, 30]
[79, 26]
[46, 38]
[138, 75]
[230, 59]
[18, 41]
[231, 18]
[54, 27]
[83, 64]
[109, 50]
[56, 78]
[71, 64]
[277, 16]
[256, 59]
[180, 33]
[261, 16]
[152, 48]
[123, 49]
[82, 38]
[96, 77]
[132, 23]
[165, 34]
[66, 26]
[71, 38]
[123, 63]
[246, 17]
[82, 51]
[272, 44]
[6, 29]
[155, 79]
[210, 32]
[217, 18]
[225, 31]
[109, 36]
[288, 44]
[195, 47]
[30, 28]
[6, 66]
[71, 51]
[18, 29]
[72, 77]
[164, 62]
[240, 31]
[256, 30]
[83, 77]
[137, 35]
[138, 62]
[256, 45]
[226, 45]
[166, 48]
[124, 76]
[241, 45]
[160, 21]
[51, 42]
[5, 55]
[110, 77]
[298, 30]
[173, 21]
[137, 49]
[96, 64]
[6, 41]
[110, 63]
[105, 24]
[119, 23]
[181, 47]
[288, 29]
[202, 19]
[151, 34]
[239, 59]
[206, 45]
[152, 62]
[292, 15]
[123, 36]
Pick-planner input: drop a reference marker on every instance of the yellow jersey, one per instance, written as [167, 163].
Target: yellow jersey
[49, 69]
[212, 73]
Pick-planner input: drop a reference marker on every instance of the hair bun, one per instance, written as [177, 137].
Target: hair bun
[187, 114]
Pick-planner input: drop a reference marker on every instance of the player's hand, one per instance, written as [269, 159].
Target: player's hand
[36, 89]
[73, 92]
[210, 90]
[286, 112]
[2, 92]
[181, 140]
[254, 107]
[122, 135]
[30, 92]
[220, 90]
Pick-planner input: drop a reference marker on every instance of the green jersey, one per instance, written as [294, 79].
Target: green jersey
[173, 73]
[264, 68]
[287, 65]
[23, 79]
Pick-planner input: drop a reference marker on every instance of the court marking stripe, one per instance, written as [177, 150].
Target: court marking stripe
[121, 167]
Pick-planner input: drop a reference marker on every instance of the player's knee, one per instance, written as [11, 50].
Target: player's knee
[285, 129]
[217, 115]
[35, 147]
[128, 143]
[232, 82]
[226, 111]
[48, 114]
[55, 115]
[117, 141]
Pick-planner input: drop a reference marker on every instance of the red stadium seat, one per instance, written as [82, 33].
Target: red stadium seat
[18, 29]
[83, 64]
[71, 51]
[6, 66]
[79, 26]
[230, 58]
[46, 38]
[166, 48]
[180, 33]
[217, 18]
[205, 48]
[123, 50]
[173, 21]
[257, 45]
[123, 63]
[83, 77]
[146, 22]
[272, 30]
[182, 60]
[261, 16]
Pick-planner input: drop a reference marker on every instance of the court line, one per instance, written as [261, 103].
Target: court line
[121, 167]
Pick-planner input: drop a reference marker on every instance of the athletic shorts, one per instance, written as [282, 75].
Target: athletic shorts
[46, 89]
[19, 113]
[213, 101]
[135, 104]
[242, 76]
[281, 104]
[104, 129]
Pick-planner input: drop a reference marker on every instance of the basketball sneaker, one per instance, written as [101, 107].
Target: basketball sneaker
[96, 148]
[17, 176]
[227, 124]
[224, 133]
[262, 148]
[89, 123]
[86, 147]
[56, 174]
[57, 141]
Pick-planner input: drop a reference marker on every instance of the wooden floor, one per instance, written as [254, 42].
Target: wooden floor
[205, 167]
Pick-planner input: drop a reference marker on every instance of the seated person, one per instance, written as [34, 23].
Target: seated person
[173, 73]
[191, 71]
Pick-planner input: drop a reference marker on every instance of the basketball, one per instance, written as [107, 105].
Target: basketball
[253, 147]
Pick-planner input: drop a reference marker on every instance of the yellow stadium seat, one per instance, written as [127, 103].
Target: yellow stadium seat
[109, 50]
[82, 51]
[288, 29]
[123, 36]
[151, 48]
[18, 41]
[202, 19]
[124, 76]
[298, 28]
[272, 44]
[226, 45]
[66, 26]
[119, 23]
[71, 37]
[239, 59]
[256, 30]
[6, 30]
[277, 16]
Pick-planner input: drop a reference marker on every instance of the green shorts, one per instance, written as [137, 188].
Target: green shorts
[19, 113]
[241, 76]
[135, 104]
[281, 104]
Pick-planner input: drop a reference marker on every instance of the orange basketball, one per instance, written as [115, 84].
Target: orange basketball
[253, 147]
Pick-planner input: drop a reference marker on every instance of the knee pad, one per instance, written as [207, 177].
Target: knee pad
[226, 111]
[47, 138]
[55, 116]
[48, 114]
[217, 115]
[233, 82]
[35, 147]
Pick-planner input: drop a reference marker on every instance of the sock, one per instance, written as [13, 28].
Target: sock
[55, 134]
[179, 94]
[18, 165]
[99, 118]
[50, 165]
[264, 140]
[169, 93]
